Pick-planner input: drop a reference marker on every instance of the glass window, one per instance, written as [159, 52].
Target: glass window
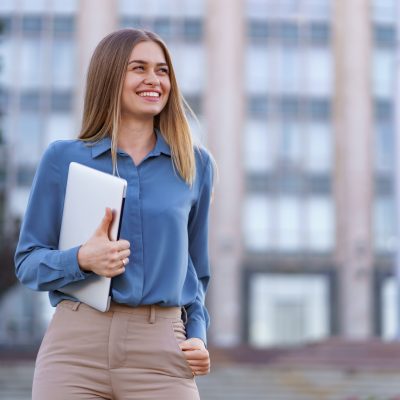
[61, 100]
[384, 222]
[320, 33]
[384, 70]
[288, 309]
[256, 70]
[28, 146]
[384, 10]
[319, 72]
[257, 9]
[384, 35]
[256, 222]
[290, 74]
[288, 216]
[65, 7]
[32, 24]
[31, 66]
[257, 147]
[319, 148]
[63, 65]
[291, 143]
[6, 70]
[289, 33]
[64, 25]
[151, 8]
[59, 126]
[37, 6]
[321, 223]
[384, 146]
[29, 101]
[389, 307]
[258, 106]
[318, 9]
[258, 30]
[163, 27]
[8, 6]
[189, 62]
[192, 29]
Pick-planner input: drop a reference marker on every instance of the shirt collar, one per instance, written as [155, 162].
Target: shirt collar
[104, 145]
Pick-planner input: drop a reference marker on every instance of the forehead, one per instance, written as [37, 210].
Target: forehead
[148, 51]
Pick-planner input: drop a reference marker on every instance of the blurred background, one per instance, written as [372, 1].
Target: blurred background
[297, 101]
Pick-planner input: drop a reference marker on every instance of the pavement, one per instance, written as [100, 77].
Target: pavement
[252, 382]
[333, 370]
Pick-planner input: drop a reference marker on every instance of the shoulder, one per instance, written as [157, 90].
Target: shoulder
[205, 163]
[65, 150]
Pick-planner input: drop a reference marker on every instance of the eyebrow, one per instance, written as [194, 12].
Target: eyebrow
[145, 62]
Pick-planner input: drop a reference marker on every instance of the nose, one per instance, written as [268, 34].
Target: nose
[151, 79]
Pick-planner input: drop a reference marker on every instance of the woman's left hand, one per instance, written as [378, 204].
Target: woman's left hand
[197, 355]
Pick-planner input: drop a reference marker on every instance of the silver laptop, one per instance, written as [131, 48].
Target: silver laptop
[88, 193]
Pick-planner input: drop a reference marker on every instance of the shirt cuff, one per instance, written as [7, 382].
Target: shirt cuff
[196, 329]
[69, 262]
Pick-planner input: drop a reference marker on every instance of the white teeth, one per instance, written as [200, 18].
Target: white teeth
[149, 94]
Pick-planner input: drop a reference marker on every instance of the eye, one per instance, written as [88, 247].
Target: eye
[164, 70]
[138, 68]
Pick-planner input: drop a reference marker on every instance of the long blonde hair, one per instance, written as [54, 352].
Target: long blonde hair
[102, 105]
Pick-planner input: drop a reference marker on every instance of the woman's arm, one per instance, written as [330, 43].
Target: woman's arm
[198, 318]
[39, 265]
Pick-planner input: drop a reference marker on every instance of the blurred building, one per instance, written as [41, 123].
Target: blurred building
[296, 101]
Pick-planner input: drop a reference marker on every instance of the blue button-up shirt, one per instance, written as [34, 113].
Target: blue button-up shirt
[165, 220]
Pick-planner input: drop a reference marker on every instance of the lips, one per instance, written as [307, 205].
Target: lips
[150, 94]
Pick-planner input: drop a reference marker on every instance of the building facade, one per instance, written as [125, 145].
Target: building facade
[295, 100]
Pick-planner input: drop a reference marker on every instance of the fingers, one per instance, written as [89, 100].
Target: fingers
[122, 245]
[103, 228]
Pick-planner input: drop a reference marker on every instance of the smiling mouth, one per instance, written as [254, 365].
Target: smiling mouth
[154, 95]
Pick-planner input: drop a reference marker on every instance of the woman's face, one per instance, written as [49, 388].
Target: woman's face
[147, 84]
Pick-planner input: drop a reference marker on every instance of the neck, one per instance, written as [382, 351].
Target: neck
[136, 135]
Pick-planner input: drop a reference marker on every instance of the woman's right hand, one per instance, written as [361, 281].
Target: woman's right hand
[101, 255]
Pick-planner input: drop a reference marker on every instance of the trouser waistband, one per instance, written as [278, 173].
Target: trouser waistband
[151, 310]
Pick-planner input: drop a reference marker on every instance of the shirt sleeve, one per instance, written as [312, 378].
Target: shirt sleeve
[197, 314]
[39, 264]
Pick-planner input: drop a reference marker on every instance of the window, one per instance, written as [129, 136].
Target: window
[291, 144]
[384, 223]
[256, 70]
[389, 307]
[29, 130]
[257, 147]
[59, 126]
[384, 10]
[384, 35]
[319, 72]
[319, 145]
[288, 309]
[190, 68]
[192, 29]
[321, 223]
[290, 74]
[63, 65]
[288, 214]
[256, 222]
[384, 147]
[384, 70]
[31, 66]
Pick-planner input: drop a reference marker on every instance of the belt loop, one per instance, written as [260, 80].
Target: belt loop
[152, 318]
[184, 315]
[76, 306]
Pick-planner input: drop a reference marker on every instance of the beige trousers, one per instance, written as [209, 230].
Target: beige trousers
[123, 354]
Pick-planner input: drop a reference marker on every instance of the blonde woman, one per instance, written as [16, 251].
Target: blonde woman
[152, 342]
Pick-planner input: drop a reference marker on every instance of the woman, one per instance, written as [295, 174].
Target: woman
[152, 342]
